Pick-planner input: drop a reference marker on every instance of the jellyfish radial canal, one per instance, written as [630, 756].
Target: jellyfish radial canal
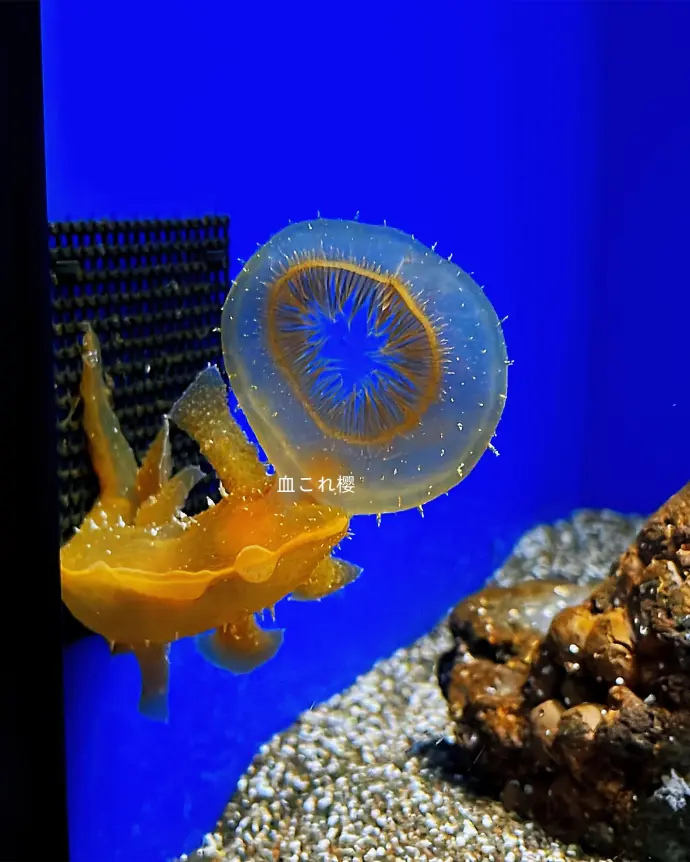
[360, 354]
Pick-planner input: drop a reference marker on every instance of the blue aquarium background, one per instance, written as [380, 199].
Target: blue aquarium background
[544, 144]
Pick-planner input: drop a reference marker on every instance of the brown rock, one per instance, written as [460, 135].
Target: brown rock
[584, 723]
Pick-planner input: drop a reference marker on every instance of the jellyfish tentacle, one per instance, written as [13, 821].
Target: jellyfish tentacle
[163, 507]
[202, 412]
[154, 668]
[111, 455]
[329, 576]
[156, 468]
[240, 646]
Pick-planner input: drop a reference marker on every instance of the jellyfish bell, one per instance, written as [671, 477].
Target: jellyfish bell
[368, 366]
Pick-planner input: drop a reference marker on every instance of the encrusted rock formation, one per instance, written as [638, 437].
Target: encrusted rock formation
[575, 707]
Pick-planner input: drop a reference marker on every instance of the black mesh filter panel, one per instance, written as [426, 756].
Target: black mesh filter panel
[153, 291]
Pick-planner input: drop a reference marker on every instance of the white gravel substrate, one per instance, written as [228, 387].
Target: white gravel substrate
[352, 779]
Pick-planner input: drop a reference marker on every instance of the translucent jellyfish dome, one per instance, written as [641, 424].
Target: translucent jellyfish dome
[372, 370]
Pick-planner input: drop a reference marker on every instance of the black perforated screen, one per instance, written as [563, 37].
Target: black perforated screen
[153, 291]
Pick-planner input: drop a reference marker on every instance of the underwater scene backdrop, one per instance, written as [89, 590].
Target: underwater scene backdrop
[530, 141]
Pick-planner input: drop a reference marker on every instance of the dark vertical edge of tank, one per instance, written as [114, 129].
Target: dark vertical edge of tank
[33, 809]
